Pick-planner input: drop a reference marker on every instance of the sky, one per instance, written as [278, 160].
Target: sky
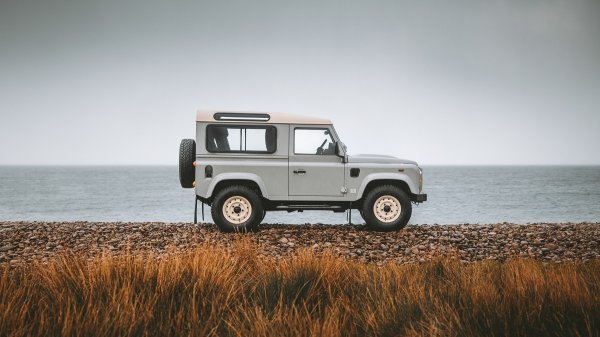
[467, 82]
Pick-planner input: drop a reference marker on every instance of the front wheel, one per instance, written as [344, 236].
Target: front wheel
[237, 209]
[386, 208]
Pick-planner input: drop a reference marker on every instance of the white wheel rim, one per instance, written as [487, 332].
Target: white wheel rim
[237, 209]
[387, 209]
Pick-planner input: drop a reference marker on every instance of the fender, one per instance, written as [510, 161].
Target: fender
[412, 185]
[237, 176]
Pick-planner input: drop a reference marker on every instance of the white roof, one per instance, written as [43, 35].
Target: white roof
[273, 117]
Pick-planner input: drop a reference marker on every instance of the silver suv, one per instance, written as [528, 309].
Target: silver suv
[245, 164]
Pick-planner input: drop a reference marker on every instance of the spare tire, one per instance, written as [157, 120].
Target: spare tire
[187, 155]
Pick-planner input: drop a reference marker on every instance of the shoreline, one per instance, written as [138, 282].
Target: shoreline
[23, 242]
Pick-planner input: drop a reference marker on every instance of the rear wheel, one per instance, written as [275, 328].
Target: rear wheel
[386, 208]
[237, 209]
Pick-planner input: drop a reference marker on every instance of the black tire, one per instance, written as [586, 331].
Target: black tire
[393, 224]
[187, 155]
[245, 195]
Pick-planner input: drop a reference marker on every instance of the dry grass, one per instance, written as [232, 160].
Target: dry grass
[215, 292]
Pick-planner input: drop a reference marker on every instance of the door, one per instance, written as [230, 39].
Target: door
[314, 168]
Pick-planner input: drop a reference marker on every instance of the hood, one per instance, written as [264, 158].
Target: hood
[378, 159]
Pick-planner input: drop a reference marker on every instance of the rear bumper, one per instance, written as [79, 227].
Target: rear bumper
[419, 197]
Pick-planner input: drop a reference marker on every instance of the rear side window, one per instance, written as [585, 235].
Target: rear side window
[241, 139]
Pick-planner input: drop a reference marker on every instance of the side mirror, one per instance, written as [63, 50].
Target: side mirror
[340, 151]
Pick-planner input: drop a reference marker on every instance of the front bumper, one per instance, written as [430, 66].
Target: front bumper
[419, 197]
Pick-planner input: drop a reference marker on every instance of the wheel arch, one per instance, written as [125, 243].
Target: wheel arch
[249, 180]
[401, 181]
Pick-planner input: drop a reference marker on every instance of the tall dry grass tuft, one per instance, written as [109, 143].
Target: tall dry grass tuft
[213, 291]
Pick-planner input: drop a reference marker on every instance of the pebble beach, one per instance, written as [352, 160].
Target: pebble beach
[25, 242]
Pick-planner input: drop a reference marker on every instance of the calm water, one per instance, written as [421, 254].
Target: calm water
[456, 195]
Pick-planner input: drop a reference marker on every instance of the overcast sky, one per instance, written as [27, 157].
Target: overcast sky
[439, 82]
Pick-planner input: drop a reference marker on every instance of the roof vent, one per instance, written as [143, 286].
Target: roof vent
[236, 116]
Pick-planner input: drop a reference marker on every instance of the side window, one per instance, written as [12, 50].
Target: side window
[313, 141]
[241, 138]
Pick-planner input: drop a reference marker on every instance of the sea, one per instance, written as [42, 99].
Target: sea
[456, 195]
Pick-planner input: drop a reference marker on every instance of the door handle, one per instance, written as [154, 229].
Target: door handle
[301, 172]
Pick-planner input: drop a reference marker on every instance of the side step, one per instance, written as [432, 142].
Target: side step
[291, 208]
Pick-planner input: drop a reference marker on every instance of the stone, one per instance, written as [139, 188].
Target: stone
[7, 248]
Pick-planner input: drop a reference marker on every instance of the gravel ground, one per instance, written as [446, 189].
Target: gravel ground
[23, 242]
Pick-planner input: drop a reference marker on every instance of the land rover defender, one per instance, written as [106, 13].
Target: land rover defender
[246, 164]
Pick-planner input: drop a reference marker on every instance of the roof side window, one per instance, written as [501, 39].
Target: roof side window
[241, 139]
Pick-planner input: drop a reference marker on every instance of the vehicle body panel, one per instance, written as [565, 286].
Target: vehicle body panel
[267, 170]
[312, 174]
